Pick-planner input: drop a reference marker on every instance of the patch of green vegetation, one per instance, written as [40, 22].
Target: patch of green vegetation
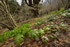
[36, 33]
[51, 28]
[24, 30]
[68, 10]
[18, 39]
[66, 15]
[56, 11]
[40, 21]
[51, 18]
[52, 12]
[20, 32]
[63, 26]
[52, 36]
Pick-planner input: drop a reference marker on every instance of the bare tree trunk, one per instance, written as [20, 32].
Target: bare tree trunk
[35, 11]
[33, 4]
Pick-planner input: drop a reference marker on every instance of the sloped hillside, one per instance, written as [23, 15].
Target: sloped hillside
[51, 30]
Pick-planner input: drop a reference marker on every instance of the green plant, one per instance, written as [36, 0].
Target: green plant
[63, 26]
[41, 32]
[20, 32]
[54, 30]
[68, 10]
[36, 33]
[47, 28]
[40, 21]
[17, 33]
[56, 11]
[18, 39]
[50, 28]
[1, 38]
[37, 23]
[53, 12]
[51, 18]
[52, 36]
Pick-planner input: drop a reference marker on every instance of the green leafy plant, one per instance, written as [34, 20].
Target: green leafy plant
[52, 36]
[68, 10]
[36, 33]
[56, 11]
[18, 39]
[20, 32]
[40, 21]
[51, 18]
[51, 28]
[17, 33]
[41, 32]
[48, 27]
[63, 26]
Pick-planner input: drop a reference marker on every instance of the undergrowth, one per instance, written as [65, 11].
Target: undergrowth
[20, 32]
[57, 11]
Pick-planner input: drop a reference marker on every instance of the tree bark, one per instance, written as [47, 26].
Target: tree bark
[33, 4]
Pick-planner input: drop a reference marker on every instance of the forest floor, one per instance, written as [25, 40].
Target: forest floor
[62, 39]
